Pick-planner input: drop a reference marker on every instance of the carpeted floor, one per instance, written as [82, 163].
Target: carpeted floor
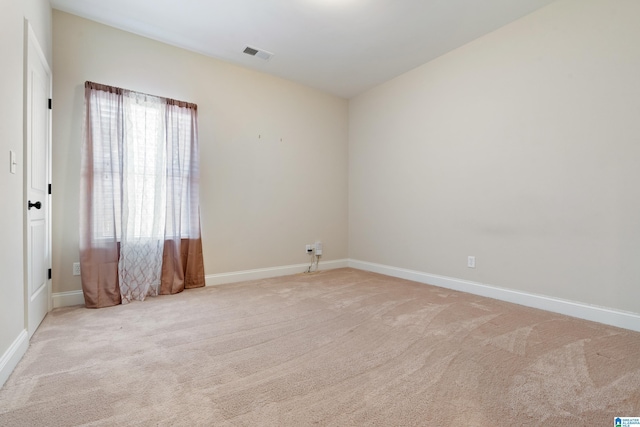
[340, 348]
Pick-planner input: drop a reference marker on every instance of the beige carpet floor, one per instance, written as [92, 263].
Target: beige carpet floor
[338, 348]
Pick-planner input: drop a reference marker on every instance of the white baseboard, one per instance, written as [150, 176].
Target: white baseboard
[67, 299]
[607, 316]
[12, 356]
[265, 273]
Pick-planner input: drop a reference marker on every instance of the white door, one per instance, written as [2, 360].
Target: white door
[37, 137]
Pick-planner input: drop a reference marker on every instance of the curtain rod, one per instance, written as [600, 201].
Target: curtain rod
[119, 91]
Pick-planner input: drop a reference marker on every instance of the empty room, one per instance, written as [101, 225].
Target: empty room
[320, 212]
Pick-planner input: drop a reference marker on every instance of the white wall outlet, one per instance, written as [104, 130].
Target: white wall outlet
[318, 248]
[76, 268]
[309, 249]
[471, 261]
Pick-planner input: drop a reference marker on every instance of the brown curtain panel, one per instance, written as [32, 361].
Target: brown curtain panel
[114, 212]
[182, 266]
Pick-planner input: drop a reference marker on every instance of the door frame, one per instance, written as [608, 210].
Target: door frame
[31, 41]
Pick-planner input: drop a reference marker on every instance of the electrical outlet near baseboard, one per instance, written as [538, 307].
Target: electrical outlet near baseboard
[471, 261]
[76, 268]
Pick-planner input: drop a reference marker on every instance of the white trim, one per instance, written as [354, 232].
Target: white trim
[67, 299]
[265, 273]
[607, 316]
[12, 356]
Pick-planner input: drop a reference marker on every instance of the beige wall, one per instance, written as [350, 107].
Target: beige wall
[262, 198]
[38, 12]
[521, 148]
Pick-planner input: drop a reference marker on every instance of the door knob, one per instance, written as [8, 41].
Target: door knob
[36, 205]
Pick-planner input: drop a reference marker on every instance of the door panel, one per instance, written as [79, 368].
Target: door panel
[38, 80]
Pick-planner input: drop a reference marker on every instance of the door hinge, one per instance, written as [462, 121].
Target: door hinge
[49, 103]
[49, 188]
[49, 274]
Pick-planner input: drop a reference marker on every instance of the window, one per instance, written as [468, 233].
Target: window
[139, 186]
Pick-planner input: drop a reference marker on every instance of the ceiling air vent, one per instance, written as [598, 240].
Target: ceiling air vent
[258, 53]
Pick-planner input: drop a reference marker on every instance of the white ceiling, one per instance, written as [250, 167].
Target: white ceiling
[340, 46]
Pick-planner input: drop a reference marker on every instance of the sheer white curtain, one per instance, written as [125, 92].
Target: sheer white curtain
[144, 183]
[139, 203]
